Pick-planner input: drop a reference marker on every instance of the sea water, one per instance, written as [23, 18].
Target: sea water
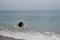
[38, 24]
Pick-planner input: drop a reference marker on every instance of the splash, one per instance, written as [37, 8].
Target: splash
[30, 35]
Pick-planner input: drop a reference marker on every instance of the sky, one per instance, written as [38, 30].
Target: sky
[29, 4]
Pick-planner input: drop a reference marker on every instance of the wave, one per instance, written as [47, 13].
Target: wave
[30, 35]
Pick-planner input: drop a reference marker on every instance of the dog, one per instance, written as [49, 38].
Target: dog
[20, 24]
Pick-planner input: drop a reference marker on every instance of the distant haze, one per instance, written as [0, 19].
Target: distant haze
[29, 4]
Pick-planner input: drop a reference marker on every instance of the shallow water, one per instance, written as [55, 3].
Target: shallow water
[41, 20]
[38, 25]
[30, 35]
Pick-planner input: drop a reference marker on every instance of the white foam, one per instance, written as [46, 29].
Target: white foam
[29, 35]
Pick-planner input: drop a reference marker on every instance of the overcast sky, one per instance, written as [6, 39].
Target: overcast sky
[29, 4]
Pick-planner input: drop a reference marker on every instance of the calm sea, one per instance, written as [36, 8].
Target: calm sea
[42, 20]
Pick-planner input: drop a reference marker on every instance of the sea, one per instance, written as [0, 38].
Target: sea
[38, 24]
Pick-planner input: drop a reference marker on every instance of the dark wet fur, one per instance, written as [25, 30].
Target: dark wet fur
[20, 24]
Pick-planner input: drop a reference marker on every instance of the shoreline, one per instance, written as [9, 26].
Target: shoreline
[8, 38]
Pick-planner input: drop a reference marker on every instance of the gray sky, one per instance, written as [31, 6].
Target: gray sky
[29, 4]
